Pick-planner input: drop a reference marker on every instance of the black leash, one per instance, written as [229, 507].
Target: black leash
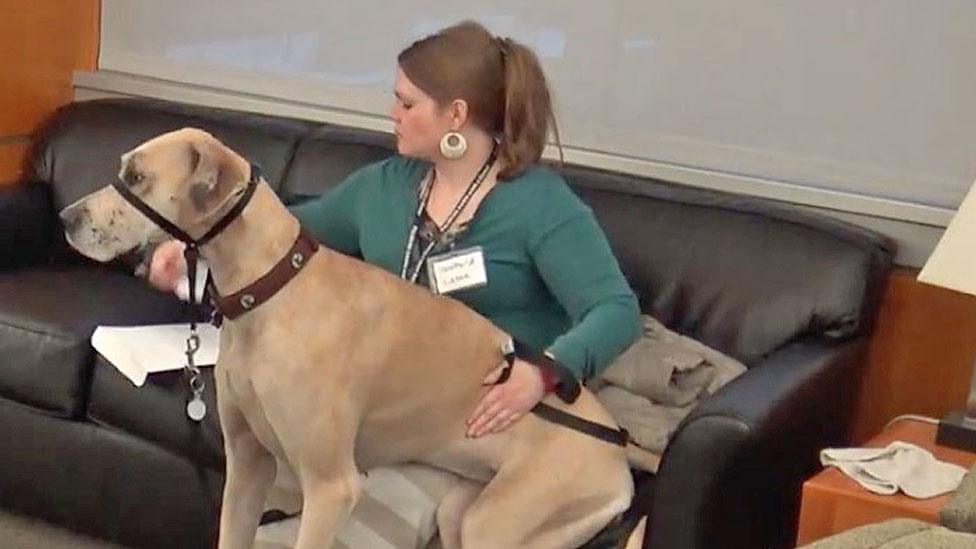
[619, 437]
[567, 388]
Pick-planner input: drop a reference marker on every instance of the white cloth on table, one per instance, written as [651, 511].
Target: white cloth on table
[898, 466]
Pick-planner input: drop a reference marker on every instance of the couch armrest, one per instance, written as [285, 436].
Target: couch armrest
[732, 473]
[27, 223]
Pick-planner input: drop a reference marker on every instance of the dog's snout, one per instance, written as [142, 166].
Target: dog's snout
[71, 217]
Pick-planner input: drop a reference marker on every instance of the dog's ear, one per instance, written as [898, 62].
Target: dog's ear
[214, 173]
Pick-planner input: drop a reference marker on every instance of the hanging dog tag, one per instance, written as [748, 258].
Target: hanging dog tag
[196, 409]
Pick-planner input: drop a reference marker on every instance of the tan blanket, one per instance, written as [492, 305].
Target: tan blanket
[960, 513]
[653, 385]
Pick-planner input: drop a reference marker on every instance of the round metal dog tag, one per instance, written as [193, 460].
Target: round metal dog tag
[196, 409]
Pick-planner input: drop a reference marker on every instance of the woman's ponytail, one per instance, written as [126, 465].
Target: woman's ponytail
[528, 112]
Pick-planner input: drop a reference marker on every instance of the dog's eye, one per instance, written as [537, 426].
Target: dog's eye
[136, 177]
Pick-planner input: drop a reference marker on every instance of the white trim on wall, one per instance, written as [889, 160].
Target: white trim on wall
[916, 227]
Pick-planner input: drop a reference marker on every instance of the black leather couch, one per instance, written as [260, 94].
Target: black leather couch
[790, 294]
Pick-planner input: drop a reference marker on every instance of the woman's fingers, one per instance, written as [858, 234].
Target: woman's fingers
[166, 265]
[499, 423]
[486, 413]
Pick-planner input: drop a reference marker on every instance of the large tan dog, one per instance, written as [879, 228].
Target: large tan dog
[348, 368]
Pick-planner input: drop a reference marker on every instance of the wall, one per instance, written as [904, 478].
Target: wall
[921, 355]
[858, 122]
[43, 42]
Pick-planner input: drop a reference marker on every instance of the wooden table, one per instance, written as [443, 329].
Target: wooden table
[832, 502]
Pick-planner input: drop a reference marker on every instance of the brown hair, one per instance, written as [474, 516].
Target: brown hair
[499, 78]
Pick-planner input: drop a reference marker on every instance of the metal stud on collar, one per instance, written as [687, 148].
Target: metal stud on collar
[247, 301]
[297, 259]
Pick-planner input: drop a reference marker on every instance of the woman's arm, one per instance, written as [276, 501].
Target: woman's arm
[575, 261]
[332, 218]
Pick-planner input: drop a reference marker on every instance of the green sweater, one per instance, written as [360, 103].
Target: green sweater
[552, 279]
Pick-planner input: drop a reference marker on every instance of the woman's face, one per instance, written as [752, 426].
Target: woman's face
[418, 121]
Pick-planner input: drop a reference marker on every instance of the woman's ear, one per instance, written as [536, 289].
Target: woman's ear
[459, 113]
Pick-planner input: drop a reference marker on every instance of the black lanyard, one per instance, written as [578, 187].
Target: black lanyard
[458, 208]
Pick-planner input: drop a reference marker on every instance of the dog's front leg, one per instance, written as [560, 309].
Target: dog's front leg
[250, 472]
[329, 500]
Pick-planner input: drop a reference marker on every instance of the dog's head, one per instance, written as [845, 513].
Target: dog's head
[187, 176]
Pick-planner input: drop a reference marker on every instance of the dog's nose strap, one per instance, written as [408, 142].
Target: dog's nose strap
[179, 233]
[147, 211]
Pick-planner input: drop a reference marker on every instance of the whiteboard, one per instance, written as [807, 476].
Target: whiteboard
[871, 97]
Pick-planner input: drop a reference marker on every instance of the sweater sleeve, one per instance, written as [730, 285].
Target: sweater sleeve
[575, 261]
[333, 217]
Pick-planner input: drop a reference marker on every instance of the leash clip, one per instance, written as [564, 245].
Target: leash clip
[192, 346]
[196, 408]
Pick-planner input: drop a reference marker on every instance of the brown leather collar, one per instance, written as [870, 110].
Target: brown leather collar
[262, 289]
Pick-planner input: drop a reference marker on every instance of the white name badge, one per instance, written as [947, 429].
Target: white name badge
[459, 270]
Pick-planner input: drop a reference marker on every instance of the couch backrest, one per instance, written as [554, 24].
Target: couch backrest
[740, 274]
[326, 156]
[743, 275]
[79, 150]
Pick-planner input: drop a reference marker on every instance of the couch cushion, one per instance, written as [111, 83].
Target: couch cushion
[47, 317]
[157, 412]
[739, 274]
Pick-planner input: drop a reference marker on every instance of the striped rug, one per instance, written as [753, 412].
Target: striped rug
[396, 510]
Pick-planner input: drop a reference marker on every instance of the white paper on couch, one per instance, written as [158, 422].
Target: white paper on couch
[137, 351]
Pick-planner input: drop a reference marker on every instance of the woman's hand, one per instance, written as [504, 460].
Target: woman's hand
[506, 403]
[167, 266]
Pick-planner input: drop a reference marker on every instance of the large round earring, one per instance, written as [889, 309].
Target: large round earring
[453, 145]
